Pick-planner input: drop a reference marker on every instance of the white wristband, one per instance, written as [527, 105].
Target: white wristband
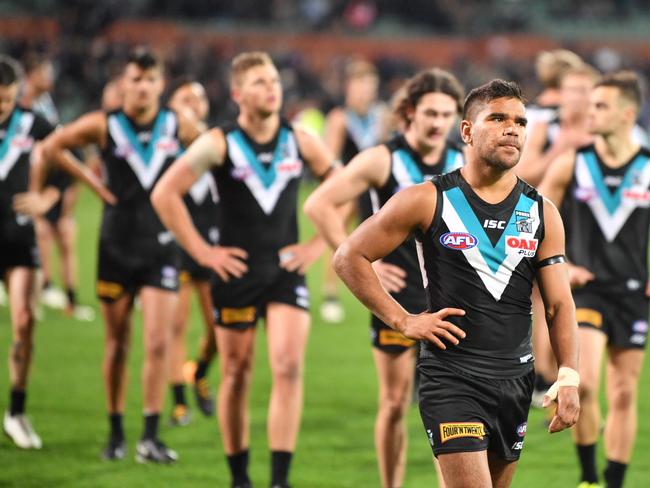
[565, 377]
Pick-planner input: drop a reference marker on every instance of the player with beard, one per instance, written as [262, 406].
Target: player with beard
[432, 102]
[483, 237]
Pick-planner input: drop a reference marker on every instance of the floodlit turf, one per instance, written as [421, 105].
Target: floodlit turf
[66, 404]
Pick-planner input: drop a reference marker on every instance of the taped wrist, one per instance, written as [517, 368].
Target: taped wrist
[565, 377]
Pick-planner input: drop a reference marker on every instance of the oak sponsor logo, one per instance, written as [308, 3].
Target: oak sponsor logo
[526, 247]
[589, 316]
[238, 315]
[454, 430]
[393, 338]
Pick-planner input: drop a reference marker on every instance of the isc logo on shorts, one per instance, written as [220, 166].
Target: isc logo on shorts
[458, 241]
[169, 277]
[526, 247]
[453, 430]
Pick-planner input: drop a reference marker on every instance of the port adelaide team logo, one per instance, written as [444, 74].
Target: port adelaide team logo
[458, 241]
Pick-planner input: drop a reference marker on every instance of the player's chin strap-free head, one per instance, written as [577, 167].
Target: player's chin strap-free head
[565, 377]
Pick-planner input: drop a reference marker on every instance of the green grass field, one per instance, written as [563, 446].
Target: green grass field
[66, 404]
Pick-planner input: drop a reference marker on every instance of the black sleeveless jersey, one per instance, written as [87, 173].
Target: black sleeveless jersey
[362, 132]
[607, 219]
[258, 187]
[18, 134]
[202, 203]
[479, 257]
[134, 159]
[408, 169]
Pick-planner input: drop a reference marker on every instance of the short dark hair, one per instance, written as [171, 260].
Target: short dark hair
[628, 85]
[433, 80]
[181, 82]
[490, 91]
[10, 71]
[144, 58]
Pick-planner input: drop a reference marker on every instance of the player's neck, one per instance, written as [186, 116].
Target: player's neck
[573, 120]
[141, 116]
[260, 129]
[617, 149]
[490, 183]
[29, 95]
[429, 154]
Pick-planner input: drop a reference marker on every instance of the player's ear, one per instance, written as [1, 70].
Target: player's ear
[466, 131]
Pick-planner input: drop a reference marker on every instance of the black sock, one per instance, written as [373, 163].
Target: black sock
[117, 430]
[201, 370]
[17, 402]
[280, 462]
[72, 297]
[150, 426]
[178, 391]
[614, 474]
[587, 456]
[238, 464]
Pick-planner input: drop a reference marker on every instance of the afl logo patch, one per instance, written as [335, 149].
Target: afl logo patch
[458, 241]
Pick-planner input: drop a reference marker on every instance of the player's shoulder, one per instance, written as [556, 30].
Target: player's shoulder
[446, 181]
[530, 191]
[645, 152]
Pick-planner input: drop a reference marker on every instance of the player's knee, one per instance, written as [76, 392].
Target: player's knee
[393, 409]
[623, 398]
[588, 392]
[156, 349]
[24, 323]
[235, 373]
[117, 349]
[287, 370]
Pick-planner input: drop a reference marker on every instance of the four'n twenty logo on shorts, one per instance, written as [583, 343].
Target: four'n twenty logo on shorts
[458, 241]
[453, 430]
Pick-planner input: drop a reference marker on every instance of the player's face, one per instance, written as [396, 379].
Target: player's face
[606, 111]
[191, 97]
[433, 118]
[574, 93]
[260, 90]
[112, 96]
[362, 91]
[142, 87]
[498, 132]
[8, 95]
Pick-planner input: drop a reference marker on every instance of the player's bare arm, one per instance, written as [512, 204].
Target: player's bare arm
[553, 187]
[36, 201]
[298, 257]
[87, 129]
[553, 279]
[188, 129]
[409, 210]
[368, 169]
[167, 199]
[335, 130]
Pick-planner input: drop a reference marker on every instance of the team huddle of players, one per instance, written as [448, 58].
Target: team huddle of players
[452, 243]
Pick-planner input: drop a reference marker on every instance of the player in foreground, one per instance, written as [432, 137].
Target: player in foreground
[429, 110]
[257, 162]
[605, 189]
[484, 236]
[138, 143]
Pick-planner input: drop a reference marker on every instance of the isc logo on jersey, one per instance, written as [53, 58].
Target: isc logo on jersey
[520, 245]
[458, 241]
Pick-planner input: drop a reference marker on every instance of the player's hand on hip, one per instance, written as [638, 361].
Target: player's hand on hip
[227, 262]
[567, 411]
[579, 276]
[299, 257]
[392, 278]
[433, 327]
[34, 203]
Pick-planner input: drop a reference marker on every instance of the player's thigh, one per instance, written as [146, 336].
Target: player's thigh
[592, 346]
[158, 308]
[501, 471]
[287, 332]
[205, 304]
[465, 469]
[236, 348]
[623, 371]
[395, 372]
[183, 306]
[117, 316]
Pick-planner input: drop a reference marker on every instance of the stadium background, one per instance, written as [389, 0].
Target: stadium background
[311, 40]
